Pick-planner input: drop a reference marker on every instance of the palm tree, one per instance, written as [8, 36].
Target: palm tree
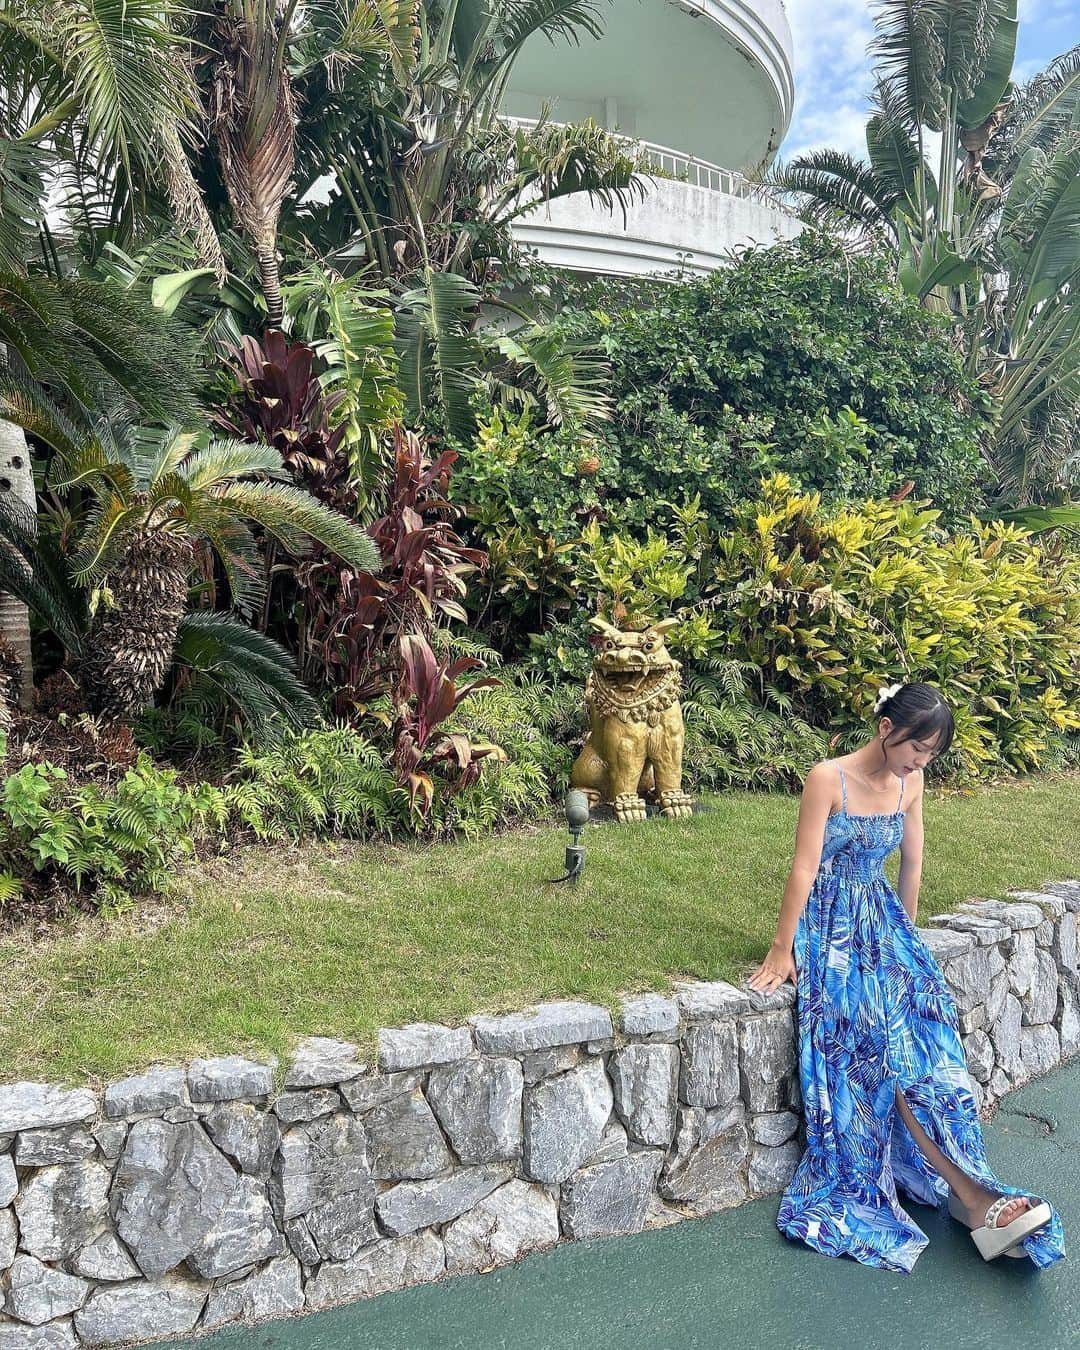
[156, 500]
[90, 91]
[994, 237]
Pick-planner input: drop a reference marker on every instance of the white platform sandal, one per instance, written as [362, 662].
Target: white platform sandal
[993, 1241]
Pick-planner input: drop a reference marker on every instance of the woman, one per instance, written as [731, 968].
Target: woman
[886, 1092]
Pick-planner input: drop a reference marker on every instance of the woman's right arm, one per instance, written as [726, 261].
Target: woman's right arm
[814, 808]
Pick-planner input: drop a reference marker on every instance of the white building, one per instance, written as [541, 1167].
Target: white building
[706, 86]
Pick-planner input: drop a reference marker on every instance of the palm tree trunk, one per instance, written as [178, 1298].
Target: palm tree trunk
[17, 485]
[133, 636]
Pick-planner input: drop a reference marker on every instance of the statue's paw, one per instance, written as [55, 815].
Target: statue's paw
[676, 805]
[628, 807]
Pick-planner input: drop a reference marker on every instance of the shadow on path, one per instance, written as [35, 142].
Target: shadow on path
[732, 1278]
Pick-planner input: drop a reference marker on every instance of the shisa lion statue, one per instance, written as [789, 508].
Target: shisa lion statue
[634, 749]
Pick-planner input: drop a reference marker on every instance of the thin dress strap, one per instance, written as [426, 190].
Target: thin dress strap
[843, 789]
[901, 797]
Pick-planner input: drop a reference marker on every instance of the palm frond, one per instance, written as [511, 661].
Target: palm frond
[247, 670]
[572, 376]
[35, 572]
[439, 355]
[223, 461]
[289, 513]
[833, 183]
[121, 57]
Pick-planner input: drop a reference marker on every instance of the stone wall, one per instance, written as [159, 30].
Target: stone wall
[189, 1197]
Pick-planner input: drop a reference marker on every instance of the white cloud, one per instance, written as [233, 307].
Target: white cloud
[832, 75]
[832, 68]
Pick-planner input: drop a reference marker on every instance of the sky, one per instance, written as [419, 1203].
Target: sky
[832, 70]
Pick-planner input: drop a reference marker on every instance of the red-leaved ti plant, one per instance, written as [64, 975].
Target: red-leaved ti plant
[427, 694]
[353, 619]
[281, 402]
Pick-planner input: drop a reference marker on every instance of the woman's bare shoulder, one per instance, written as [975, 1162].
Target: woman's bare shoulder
[822, 778]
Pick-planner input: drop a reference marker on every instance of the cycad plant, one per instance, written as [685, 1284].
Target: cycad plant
[156, 500]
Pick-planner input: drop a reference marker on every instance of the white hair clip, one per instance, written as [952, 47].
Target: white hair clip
[885, 693]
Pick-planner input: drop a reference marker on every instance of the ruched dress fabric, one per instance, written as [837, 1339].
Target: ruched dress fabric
[875, 1014]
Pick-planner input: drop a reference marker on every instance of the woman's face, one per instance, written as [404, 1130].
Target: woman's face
[907, 755]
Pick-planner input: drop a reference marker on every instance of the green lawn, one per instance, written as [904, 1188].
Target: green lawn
[340, 940]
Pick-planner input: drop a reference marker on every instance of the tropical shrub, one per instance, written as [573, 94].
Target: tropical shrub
[108, 842]
[801, 358]
[828, 603]
[354, 618]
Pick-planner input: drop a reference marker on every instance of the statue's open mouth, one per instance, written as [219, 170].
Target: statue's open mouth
[634, 679]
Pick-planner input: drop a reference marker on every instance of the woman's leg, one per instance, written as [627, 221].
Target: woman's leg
[972, 1194]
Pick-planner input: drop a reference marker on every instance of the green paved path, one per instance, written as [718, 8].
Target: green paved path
[732, 1279]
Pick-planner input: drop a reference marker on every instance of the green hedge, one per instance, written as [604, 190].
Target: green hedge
[825, 604]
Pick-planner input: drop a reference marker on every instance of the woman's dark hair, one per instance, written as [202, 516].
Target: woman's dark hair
[918, 712]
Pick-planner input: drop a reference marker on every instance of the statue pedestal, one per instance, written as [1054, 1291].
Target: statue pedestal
[604, 815]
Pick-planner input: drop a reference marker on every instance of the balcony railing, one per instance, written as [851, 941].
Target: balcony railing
[674, 164]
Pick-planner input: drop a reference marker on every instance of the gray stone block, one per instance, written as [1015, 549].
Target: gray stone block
[706, 1000]
[564, 1121]
[110, 1136]
[340, 1226]
[969, 978]
[61, 1209]
[142, 1310]
[706, 1170]
[371, 1090]
[147, 1093]
[54, 1336]
[980, 1056]
[610, 1198]
[228, 1078]
[511, 1221]
[40, 1106]
[319, 1061]
[645, 1081]
[944, 944]
[546, 1063]
[391, 1264]
[243, 1234]
[106, 1260]
[170, 1189]
[766, 1059]
[709, 1068]
[420, 1045]
[1040, 1003]
[9, 1182]
[404, 1140]
[1067, 1020]
[292, 1107]
[9, 1238]
[320, 1161]
[274, 1291]
[773, 1127]
[246, 1134]
[1040, 1049]
[46, 1148]
[479, 1105]
[649, 1015]
[38, 1293]
[772, 1168]
[1063, 947]
[783, 996]
[551, 1024]
[411, 1205]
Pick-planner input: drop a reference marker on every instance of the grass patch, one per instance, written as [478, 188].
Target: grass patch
[341, 939]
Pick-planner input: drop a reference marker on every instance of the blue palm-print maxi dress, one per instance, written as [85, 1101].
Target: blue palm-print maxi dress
[875, 1014]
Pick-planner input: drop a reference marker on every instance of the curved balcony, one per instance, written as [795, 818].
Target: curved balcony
[693, 214]
[711, 76]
